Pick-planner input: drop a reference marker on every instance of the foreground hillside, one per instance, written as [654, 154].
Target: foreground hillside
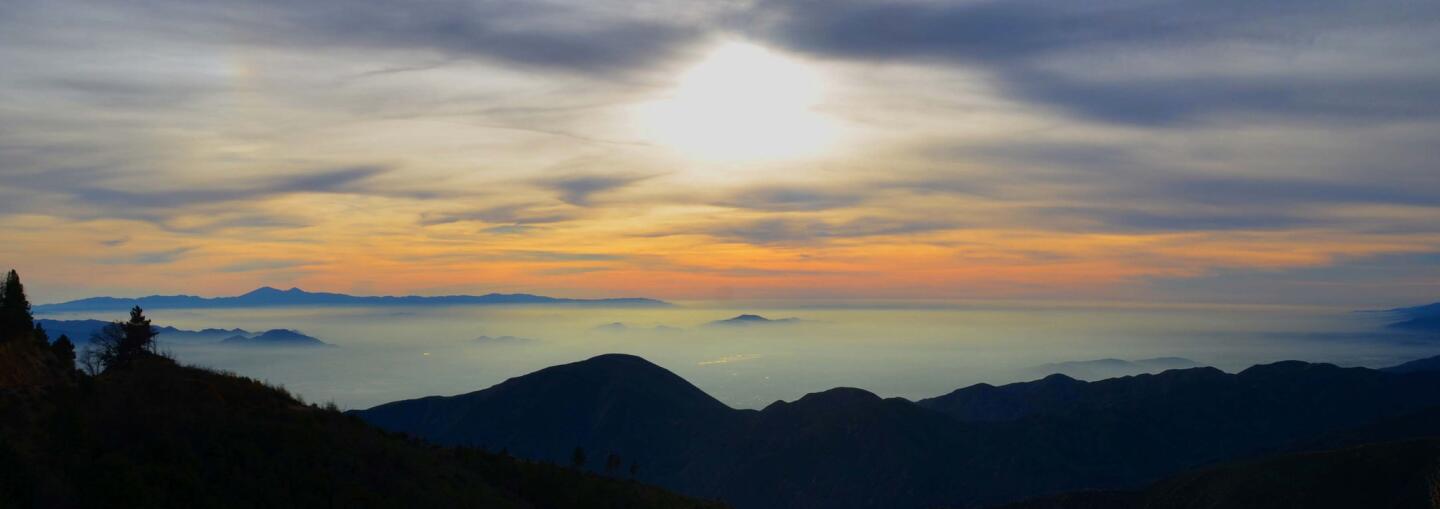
[157, 434]
[1393, 475]
[978, 446]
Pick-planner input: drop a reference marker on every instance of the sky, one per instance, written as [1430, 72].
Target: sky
[1277, 152]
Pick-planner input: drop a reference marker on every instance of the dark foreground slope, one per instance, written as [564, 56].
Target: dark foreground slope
[162, 435]
[1392, 475]
[847, 448]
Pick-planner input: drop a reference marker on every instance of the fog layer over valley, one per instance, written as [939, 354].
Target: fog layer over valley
[384, 354]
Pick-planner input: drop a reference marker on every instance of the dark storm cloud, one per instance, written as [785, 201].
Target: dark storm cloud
[1020, 40]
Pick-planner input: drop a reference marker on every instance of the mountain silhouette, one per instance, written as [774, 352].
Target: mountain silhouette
[1099, 369]
[1416, 366]
[274, 338]
[157, 434]
[273, 297]
[748, 319]
[982, 445]
[1392, 475]
[79, 331]
[1416, 319]
[610, 403]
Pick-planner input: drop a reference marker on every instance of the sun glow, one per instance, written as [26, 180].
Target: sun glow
[742, 102]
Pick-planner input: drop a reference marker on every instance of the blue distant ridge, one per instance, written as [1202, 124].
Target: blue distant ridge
[272, 297]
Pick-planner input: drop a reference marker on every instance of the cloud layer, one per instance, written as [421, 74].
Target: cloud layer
[1119, 149]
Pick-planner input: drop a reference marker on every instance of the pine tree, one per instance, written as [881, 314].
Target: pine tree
[577, 458]
[15, 318]
[613, 463]
[120, 343]
[64, 351]
[41, 337]
[139, 335]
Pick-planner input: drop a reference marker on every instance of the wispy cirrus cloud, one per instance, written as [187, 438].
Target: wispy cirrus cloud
[1153, 62]
[580, 189]
[160, 257]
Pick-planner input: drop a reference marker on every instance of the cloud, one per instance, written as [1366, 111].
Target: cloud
[1368, 282]
[262, 265]
[579, 189]
[149, 257]
[801, 231]
[560, 256]
[518, 215]
[336, 180]
[539, 34]
[1149, 62]
[1133, 219]
[791, 198]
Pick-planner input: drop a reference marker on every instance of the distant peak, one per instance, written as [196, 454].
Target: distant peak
[1285, 368]
[746, 319]
[270, 291]
[844, 395]
[263, 290]
[1059, 378]
[617, 358]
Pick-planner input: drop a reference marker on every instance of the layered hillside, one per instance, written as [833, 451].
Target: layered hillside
[157, 435]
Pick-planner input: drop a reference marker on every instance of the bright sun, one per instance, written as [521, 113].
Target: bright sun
[742, 102]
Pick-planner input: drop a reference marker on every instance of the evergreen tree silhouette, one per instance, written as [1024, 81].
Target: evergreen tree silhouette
[577, 458]
[139, 335]
[612, 464]
[40, 336]
[121, 343]
[65, 352]
[15, 318]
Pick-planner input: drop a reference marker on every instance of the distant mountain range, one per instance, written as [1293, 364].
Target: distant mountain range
[1417, 319]
[79, 332]
[272, 297]
[273, 338]
[1109, 368]
[744, 320]
[977, 446]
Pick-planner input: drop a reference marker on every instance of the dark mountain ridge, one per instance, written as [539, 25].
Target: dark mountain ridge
[274, 338]
[1099, 369]
[80, 331]
[272, 297]
[1396, 475]
[156, 434]
[1424, 318]
[749, 319]
[976, 446]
